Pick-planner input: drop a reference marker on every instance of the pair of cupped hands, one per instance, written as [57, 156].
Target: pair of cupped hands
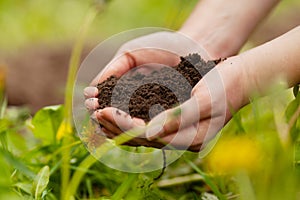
[199, 118]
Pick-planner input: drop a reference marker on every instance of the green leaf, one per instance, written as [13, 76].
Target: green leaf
[3, 107]
[124, 187]
[289, 113]
[16, 163]
[140, 188]
[41, 181]
[46, 123]
[292, 107]
[295, 131]
[5, 174]
[25, 187]
[297, 153]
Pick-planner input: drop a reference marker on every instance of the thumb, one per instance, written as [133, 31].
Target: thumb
[174, 119]
[130, 59]
[117, 67]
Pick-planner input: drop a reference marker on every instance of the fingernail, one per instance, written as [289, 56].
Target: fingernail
[153, 131]
[90, 92]
[91, 103]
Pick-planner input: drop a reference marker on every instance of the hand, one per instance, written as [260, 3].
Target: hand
[161, 47]
[153, 48]
[226, 89]
[206, 112]
[203, 115]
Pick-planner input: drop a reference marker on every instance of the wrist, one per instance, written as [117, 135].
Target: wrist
[235, 82]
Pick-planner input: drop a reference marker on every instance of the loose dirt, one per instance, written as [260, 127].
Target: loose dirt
[146, 94]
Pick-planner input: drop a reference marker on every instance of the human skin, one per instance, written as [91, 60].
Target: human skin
[223, 27]
[220, 29]
[216, 27]
[253, 71]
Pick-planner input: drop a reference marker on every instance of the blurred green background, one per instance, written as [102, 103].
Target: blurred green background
[36, 37]
[35, 21]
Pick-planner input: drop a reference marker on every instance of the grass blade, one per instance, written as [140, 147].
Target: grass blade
[125, 187]
[73, 66]
[41, 181]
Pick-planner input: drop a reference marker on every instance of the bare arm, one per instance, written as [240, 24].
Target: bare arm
[222, 27]
[277, 59]
[253, 71]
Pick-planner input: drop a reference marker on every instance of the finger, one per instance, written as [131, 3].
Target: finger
[196, 137]
[202, 95]
[91, 104]
[210, 92]
[90, 92]
[171, 120]
[112, 135]
[128, 60]
[208, 100]
[190, 138]
[134, 141]
[108, 133]
[109, 126]
[121, 119]
[117, 67]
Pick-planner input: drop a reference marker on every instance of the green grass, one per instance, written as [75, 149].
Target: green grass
[42, 158]
[35, 165]
[33, 22]
[32, 165]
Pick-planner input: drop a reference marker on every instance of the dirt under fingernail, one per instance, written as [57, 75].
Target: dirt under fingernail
[164, 87]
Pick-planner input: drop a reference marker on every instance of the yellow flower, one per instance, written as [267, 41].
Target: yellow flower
[234, 154]
[64, 129]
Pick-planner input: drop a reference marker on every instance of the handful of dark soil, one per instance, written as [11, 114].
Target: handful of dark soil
[145, 95]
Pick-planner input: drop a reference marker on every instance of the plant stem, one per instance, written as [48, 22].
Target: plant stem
[179, 180]
[76, 178]
[73, 66]
[125, 186]
[90, 160]
[207, 180]
[126, 136]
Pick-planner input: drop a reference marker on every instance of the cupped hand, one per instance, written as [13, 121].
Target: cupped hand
[195, 122]
[227, 88]
[192, 123]
[160, 48]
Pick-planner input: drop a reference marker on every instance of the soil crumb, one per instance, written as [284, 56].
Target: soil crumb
[146, 94]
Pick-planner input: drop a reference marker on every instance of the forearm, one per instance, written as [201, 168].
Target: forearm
[222, 27]
[273, 61]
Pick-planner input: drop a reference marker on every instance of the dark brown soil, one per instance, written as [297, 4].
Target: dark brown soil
[147, 91]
